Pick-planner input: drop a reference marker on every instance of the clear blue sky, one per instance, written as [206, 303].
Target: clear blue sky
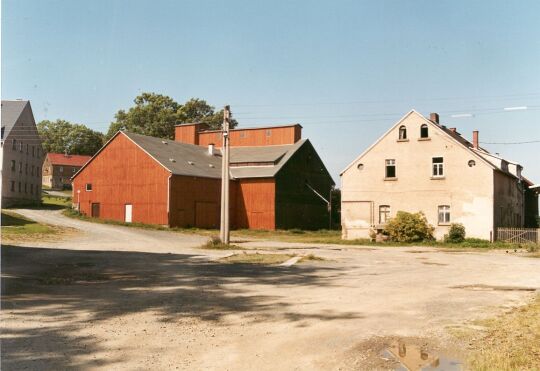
[345, 70]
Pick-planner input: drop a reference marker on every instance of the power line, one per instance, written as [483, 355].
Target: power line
[526, 142]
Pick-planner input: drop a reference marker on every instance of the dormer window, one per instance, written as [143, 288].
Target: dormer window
[424, 133]
[402, 133]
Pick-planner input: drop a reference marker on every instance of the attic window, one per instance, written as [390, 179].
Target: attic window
[360, 166]
[424, 133]
[402, 132]
[471, 163]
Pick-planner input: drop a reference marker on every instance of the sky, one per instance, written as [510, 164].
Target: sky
[345, 70]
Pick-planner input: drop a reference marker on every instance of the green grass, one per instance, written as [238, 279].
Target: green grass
[15, 225]
[55, 202]
[216, 244]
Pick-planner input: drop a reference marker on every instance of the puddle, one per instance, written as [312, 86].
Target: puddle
[413, 357]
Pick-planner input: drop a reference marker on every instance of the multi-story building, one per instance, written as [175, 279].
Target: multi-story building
[58, 168]
[21, 155]
[421, 165]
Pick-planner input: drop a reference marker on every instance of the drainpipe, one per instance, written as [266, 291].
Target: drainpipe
[169, 200]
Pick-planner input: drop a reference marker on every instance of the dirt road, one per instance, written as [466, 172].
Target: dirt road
[123, 298]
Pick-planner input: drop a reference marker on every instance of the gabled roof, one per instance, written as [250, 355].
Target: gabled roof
[67, 160]
[277, 154]
[11, 111]
[179, 158]
[451, 134]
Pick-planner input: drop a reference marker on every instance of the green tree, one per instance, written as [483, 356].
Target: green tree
[156, 115]
[61, 136]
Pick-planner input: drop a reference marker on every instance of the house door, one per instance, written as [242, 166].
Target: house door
[95, 210]
[128, 213]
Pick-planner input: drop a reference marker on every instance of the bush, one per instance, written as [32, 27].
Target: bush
[409, 227]
[456, 234]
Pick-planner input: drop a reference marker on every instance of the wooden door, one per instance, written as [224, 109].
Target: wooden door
[95, 210]
[128, 213]
[206, 215]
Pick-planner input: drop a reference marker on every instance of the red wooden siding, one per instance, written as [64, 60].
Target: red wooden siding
[255, 204]
[123, 174]
[254, 137]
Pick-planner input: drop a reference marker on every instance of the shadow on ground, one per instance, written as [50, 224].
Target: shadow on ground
[70, 288]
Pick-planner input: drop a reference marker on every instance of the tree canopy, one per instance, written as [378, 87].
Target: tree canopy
[156, 115]
[61, 136]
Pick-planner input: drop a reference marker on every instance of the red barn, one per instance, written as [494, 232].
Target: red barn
[277, 180]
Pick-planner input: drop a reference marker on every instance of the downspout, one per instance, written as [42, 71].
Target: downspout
[169, 200]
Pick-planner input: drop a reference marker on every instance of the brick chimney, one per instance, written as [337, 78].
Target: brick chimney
[475, 139]
[453, 130]
[188, 133]
[434, 117]
[211, 149]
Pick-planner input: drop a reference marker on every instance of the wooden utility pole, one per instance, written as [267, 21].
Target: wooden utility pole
[224, 225]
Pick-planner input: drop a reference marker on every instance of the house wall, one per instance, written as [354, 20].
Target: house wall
[256, 203]
[467, 190]
[58, 176]
[122, 173]
[297, 206]
[22, 184]
[509, 200]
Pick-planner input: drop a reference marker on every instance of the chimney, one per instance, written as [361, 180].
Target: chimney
[453, 130]
[434, 117]
[475, 139]
[211, 149]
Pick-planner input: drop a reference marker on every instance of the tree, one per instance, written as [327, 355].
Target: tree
[61, 136]
[156, 115]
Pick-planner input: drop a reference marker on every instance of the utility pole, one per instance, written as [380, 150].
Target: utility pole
[224, 225]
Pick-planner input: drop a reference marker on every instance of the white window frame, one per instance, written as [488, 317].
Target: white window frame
[390, 162]
[443, 214]
[384, 210]
[437, 168]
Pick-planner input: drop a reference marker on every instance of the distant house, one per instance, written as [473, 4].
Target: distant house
[21, 154]
[58, 168]
[275, 184]
[421, 165]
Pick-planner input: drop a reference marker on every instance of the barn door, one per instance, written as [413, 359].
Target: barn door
[128, 213]
[95, 210]
[206, 215]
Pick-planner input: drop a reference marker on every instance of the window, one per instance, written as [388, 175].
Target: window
[26, 148]
[88, 187]
[438, 167]
[424, 133]
[31, 189]
[360, 166]
[390, 168]
[13, 165]
[444, 214]
[61, 169]
[384, 213]
[242, 134]
[471, 163]
[25, 187]
[26, 168]
[19, 187]
[12, 186]
[14, 147]
[33, 151]
[74, 170]
[20, 167]
[20, 146]
[32, 173]
[402, 133]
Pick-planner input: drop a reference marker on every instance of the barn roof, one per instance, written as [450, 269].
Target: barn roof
[11, 111]
[179, 158]
[261, 161]
[67, 160]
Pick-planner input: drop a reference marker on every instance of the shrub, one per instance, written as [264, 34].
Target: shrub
[456, 234]
[409, 227]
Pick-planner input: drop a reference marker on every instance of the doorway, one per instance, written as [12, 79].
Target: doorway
[95, 210]
[128, 212]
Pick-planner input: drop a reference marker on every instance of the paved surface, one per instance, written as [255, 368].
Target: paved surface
[123, 298]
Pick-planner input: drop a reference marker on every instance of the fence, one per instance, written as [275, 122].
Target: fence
[519, 235]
